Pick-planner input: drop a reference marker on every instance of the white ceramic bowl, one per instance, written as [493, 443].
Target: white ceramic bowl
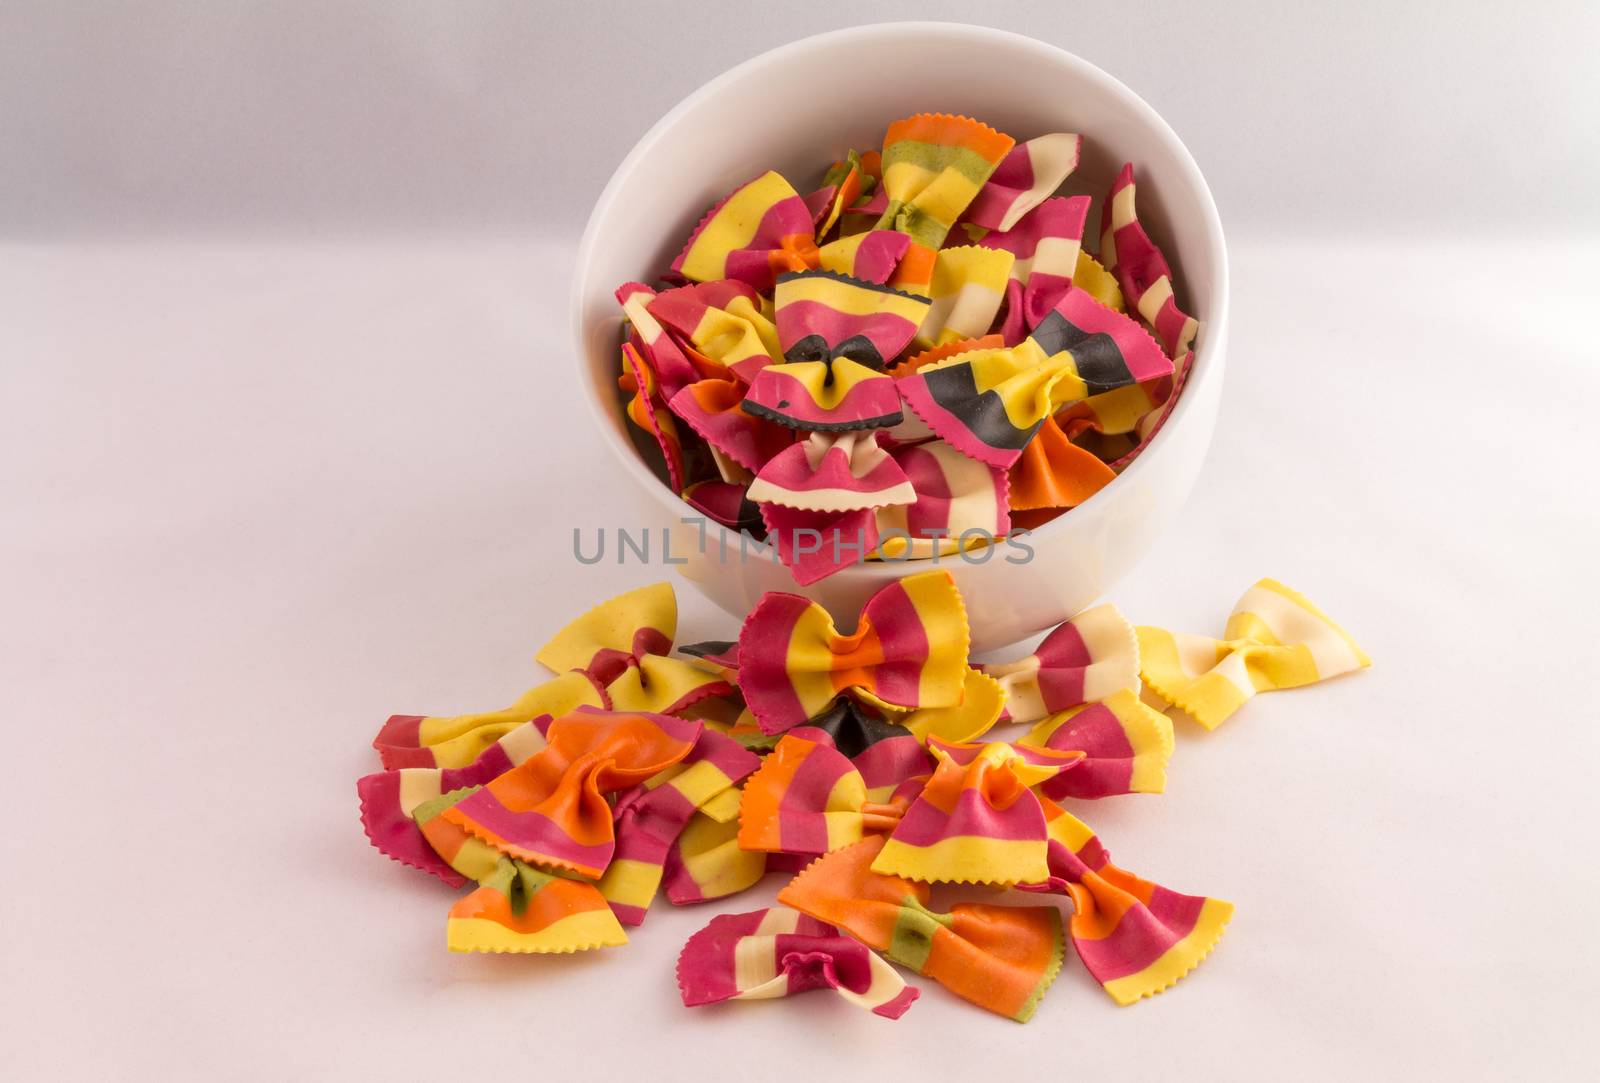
[795, 109]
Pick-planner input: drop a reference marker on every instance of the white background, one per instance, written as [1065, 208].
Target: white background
[287, 446]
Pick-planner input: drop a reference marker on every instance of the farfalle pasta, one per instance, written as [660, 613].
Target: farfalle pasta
[526, 910]
[760, 230]
[778, 952]
[706, 862]
[909, 650]
[815, 544]
[551, 808]
[1135, 937]
[668, 362]
[845, 311]
[389, 798]
[1045, 246]
[886, 752]
[810, 798]
[1275, 638]
[723, 326]
[833, 472]
[965, 293]
[408, 740]
[956, 502]
[868, 257]
[647, 408]
[1142, 271]
[1053, 472]
[622, 645]
[990, 403]
[934, 166]
[1001, 958]
[861, 766]
[652, 815]
[1085, 659]
[821, 316]
[1024, 178]
[1125, 746]
[977, 820]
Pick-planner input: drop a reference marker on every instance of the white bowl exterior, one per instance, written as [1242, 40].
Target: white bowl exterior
[801, 106]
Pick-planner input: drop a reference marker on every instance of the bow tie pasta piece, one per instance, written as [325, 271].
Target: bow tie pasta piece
[662, 685]
[516, 908]
[809, 798]
[964, 294]
[1001, 958]
[725, 324]
[1141, 269]
[1053, 472]
[665, 358]
[613, 635]
[648, 410]
[706, 862]
[982, 704]
[526, 910]
[815, 544]
[1135, 937]
[714, 409]
[934, 165]
[1046, 245]
[842, 186]
[958, 503]
[408, 740]
[1085, 659]
[909, 650]
[869, 257]
[1023, 179]
[977, 820]
[1108, 350]
[833, 472]
[1126, 746]
[837, 333]
[821, 316]
[389, 799]
[778, 952]
[1275, 638]
[622, 644]
[989, 403]
[759, 231]
[649, 818]
[551, 809]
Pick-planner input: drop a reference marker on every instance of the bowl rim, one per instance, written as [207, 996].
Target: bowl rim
[1213, 334]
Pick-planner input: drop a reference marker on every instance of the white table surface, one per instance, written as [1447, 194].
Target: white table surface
[258, 496]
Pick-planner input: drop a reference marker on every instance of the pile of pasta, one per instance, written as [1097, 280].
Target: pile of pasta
[916, 358]
[875, 768]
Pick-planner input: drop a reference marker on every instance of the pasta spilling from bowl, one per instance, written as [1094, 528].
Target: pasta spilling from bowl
[916, 358]
[885, 773]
